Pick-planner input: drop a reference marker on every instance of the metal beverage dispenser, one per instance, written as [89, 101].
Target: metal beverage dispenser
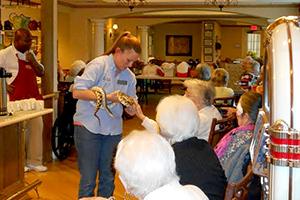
[282, 107]
[3, 92]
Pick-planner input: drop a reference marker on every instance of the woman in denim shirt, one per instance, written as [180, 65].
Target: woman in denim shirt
[96, 138]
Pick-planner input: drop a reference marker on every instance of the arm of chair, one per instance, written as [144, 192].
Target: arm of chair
[239, 191]
[212, 130]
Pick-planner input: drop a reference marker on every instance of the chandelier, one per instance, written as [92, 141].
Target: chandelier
[221, 3]
[131, 3]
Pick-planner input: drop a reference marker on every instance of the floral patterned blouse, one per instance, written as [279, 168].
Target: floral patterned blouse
[232, 150]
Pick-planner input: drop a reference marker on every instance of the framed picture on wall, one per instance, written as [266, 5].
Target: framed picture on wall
[8, 38]
[208, 26]
[208, 50]
[208, 42]
[208, 34]
[208, 58]
[179, 45]
[34, 45]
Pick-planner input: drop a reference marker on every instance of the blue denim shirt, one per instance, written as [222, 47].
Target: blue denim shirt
[102, 72]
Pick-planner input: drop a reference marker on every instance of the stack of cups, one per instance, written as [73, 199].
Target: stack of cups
[25, 105]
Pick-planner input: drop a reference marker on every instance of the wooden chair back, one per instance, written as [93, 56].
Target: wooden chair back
[220, 127]
[240, 190]
[224, 102]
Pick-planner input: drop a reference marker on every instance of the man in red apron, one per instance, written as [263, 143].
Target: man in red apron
[22, 63]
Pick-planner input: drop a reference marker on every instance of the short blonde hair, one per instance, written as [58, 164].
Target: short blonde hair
[220, 77]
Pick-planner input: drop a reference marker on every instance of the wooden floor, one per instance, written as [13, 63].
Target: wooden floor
[61, 180]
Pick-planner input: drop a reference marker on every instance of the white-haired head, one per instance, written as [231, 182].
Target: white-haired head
[202, 93]
[145, 162]
[251, 66]
[76, 67]
[204, 71]
[178, 118]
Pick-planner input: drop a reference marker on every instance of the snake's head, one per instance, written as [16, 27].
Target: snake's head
[125, 99]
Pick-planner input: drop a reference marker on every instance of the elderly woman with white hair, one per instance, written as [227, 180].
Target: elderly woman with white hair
[147, 169]
[178, 121]
[77, 68]
[202, 93]
[203, 71]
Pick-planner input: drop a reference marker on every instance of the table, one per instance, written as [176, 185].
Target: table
[156, 77]
[144, 82]
[12, 148]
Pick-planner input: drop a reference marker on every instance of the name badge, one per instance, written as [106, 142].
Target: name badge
[122, 82]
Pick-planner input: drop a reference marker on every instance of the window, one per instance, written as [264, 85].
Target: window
[254, 43]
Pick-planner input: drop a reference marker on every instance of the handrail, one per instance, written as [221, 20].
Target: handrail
[51, 95]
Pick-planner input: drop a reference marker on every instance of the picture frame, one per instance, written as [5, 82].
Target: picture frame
[208, 58]
[208, 50]
[35, 44]
[179, 45]
[208, 26]
[8, 38]
[208, 42]
[208, 34]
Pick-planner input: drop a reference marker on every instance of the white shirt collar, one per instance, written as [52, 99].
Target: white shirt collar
[21, 56]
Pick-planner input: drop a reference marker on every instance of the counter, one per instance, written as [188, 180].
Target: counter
[22, 116]
[12, 148]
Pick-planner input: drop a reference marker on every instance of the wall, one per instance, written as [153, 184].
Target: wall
[10, 13]
[233, 42]
[33, 13]
[159, 39]
[63, 37]
[79, 32]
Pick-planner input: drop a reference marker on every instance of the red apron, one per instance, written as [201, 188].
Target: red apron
[25, 84]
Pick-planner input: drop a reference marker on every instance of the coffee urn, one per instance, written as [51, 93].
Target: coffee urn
[3, 92]
[282, 107]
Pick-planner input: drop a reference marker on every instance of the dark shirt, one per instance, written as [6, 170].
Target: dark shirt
[197, 164]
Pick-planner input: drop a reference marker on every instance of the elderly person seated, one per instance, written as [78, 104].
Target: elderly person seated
[233, 149]
[147, 169]
[196, 163]
[202, 93]
[203, 71]
[251, 73]
[77, 68]
[220, 78]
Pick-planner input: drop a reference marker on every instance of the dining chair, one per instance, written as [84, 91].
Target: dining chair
[240, 190]
[220, 127]
[224, 102]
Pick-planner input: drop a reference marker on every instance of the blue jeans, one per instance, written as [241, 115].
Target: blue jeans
[95, 155]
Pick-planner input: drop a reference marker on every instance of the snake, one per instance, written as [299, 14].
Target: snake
[101, 100]
[125, 99]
